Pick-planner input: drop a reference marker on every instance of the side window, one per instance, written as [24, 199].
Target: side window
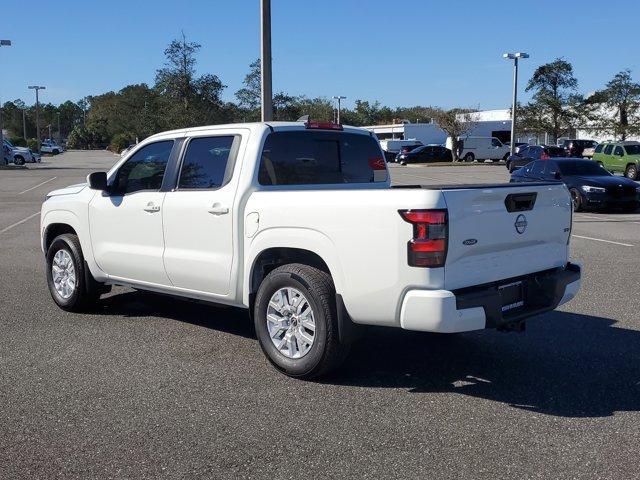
[607, 149]
[599, 148]
[495, 142]
[618, 151]
[144, 170]
[538, 168]
[524, 151]
[205, 162]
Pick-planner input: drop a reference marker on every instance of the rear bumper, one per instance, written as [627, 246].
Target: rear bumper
[480, 307]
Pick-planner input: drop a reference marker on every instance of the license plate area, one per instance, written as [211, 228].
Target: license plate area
[512, 295]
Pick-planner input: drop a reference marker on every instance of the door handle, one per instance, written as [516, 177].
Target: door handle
[151, 208]
[218, 209]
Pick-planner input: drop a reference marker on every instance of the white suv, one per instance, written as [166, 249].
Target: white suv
[49, 146]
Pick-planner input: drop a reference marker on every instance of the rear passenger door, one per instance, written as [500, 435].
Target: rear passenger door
[607, 157]
[198, 215]
[618, 158]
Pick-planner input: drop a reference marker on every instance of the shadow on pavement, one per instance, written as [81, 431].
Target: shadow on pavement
[146, 304]
[566, 365]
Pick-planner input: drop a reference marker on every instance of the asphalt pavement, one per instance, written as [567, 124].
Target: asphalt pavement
[152, 387]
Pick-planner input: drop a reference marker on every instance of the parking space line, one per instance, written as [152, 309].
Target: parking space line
[602, 240]
[38, 185]
[6, 229]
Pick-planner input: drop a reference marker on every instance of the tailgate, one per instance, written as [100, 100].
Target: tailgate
[503, 231]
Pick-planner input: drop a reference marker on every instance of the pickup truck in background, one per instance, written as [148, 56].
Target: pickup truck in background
[298, 223]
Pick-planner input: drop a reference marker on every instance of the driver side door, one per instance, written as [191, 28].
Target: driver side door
[126, 222]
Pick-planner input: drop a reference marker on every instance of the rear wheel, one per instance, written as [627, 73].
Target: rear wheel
[56, 151]
[631, 172]
[71, 286]
[18, 160]
[296, 321]
[576, 199]
[469, 157]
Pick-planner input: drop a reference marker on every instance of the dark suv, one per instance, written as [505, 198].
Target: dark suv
[574, 148]
[533, 152]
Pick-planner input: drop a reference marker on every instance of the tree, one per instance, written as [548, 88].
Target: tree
[553, 86]
[617, 107]
[249, 95]
[455, 123]
[188, 100]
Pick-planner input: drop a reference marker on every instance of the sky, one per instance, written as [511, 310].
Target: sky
[401, 53]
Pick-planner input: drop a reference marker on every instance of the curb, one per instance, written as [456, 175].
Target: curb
[449, 164]
[13, 167]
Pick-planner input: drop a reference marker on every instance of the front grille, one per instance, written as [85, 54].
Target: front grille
[621, 191]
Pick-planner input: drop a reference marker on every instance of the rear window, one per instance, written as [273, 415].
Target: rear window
[582, 167]
[555, 152]
[316, 157]
[632, 149]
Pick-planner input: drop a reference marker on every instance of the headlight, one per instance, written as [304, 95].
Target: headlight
[590, 189]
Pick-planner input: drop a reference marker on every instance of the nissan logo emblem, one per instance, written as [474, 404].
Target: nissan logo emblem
[521, 223]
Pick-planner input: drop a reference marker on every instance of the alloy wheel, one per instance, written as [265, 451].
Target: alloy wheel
[290, 322]
[64, 274]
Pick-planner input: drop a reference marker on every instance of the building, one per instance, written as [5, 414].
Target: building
[487, 123]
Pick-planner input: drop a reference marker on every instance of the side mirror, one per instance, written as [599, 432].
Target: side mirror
[557, 176]
[97, 181]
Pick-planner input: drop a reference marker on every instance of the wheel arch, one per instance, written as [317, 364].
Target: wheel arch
[279, 246]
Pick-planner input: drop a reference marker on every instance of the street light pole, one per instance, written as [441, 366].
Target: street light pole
[339, 98]
[59, 132]
[3, 43]
[265, 65]
[24, 124]
[514, 57]
[37, 88]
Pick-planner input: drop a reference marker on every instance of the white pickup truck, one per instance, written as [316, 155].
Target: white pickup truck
[298, 223]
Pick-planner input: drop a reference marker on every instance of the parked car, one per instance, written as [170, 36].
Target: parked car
[622, 157]
[575, 148]
[533, 152]
[518, 146]
[17, 155]
[49, 146]
[480, 148]
[589, 151]
[391, 148]
[298, 222]
[425, 154]
[591, 185]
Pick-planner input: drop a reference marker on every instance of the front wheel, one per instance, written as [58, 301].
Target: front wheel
[18, 160]
[631, 172]
[70, 286]
[296, 321]
[576, 199]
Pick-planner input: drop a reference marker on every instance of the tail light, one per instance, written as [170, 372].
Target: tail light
[544, 156]
[428, 247]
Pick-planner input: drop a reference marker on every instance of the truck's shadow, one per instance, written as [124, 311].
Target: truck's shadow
[565, 364]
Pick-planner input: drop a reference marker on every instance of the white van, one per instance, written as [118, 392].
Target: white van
[480, 148]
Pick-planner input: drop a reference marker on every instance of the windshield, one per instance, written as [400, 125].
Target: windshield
[582, 167]
[632, 149]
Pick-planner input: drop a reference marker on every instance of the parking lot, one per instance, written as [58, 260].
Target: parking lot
[150, 386]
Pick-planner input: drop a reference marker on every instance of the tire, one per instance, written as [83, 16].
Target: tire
[56, 152]
[297, 358]
[469, 157]
[576, 199]
[18, 160]
[84, 291]
[631, 172]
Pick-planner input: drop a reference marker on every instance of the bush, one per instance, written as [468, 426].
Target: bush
[32, 143]
[120, 141]
[18, 141]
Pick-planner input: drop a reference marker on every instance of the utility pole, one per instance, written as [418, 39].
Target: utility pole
[339, 98]
[59, 132]
[514, 57]
[265, 60]
[24, 124]
[3, 43]
[37, 88]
